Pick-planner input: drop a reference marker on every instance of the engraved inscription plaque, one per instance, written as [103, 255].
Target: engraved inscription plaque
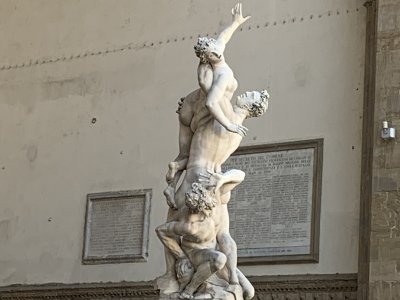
[274, 212]
[117, 227]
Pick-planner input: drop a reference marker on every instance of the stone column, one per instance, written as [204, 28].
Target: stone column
[384, 254]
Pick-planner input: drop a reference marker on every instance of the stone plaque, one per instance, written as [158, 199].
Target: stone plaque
[117, 227]
[274, 212]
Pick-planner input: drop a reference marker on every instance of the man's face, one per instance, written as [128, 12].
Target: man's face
[214, 52]
[213, 57]
[248, 98]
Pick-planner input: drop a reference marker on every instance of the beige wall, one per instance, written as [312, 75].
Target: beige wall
[51, 155]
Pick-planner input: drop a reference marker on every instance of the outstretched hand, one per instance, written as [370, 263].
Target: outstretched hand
[183, 267]
[211, 179]
[237, 15]
[237, 128]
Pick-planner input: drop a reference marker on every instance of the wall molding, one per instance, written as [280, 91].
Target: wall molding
[298, 284]
[94, 291]
[367, 150]
[292, 287]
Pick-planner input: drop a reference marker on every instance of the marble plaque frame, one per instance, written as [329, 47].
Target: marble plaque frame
[142, 194]
[313, 255]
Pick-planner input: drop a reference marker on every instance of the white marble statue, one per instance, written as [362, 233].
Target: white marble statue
[201, 258]
[198, 225]
[217, 85]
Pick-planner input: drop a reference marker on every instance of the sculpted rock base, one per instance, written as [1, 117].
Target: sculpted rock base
[213, 288]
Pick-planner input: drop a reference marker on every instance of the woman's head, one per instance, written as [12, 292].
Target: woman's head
[209, 50]
[255, 102]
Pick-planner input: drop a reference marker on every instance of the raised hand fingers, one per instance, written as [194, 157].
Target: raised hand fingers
[235, 9]
[205, 175]
[248, 17]
[172, 205]
[242, 130]
[204, 180]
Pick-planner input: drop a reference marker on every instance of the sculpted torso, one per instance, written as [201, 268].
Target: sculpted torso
[194, 103]
[194, 112]
[222, 78]
[212, 144]
[200, 231]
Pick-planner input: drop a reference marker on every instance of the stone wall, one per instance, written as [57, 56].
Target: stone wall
[385, 218]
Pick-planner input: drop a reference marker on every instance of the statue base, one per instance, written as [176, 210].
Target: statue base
[214, 288]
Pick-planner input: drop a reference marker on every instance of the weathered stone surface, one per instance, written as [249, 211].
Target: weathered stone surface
[385, 184]
[388, 41]
[393, 157]
[386, 180]
[373, 290]
[388, 2]
[379, 157]
[389, 249]
[396, 290]
[374, 249]
[385, 209]
[388, 19]
[386, 287]
[388, 107]
[394, 57]
[383, 270]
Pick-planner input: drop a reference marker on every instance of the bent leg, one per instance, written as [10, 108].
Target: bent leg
[248, 289]
[179, 163]
[176, 167]
[169, 257]
[228, 247]
[207, 262]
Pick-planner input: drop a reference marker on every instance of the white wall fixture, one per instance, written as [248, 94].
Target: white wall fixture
[387, 133]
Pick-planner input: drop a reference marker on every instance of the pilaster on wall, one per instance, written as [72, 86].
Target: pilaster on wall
[384, 273]
[367, 151]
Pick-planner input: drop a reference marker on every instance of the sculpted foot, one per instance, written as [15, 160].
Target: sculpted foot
[169, 194]
[168, 284]
[185, 295]
[172, 169]
[235, 289]
[248, 293]
[184, 272]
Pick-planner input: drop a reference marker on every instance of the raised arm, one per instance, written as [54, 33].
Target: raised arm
[237, 20]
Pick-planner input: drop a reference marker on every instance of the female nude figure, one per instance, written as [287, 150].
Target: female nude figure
[217, 85]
